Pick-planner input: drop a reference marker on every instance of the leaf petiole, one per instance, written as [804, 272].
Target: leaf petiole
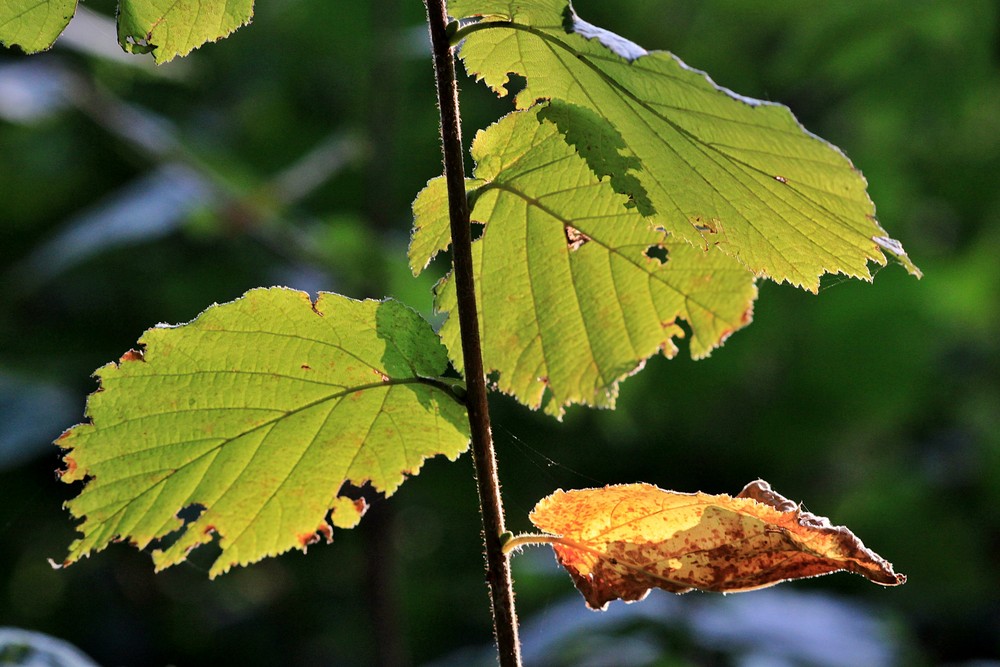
[526, 539]
[456, 36]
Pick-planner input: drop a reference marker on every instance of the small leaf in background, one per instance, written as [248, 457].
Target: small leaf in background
[34, 25]
[620, 541]
[248, 423]
[720, 169]
[576, 289]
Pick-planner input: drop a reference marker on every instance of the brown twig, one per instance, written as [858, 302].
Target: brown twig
[491, 507]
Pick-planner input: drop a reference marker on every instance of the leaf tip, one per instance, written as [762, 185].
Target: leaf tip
[895, 248]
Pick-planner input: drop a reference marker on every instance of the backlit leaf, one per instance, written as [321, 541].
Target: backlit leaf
[166, 28]
[170, 28]
[576, 289]
[249, 422]
[719, 169]
[620, 541]
[34, 25]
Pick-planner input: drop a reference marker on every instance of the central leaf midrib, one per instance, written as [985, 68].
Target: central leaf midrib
[284, 415]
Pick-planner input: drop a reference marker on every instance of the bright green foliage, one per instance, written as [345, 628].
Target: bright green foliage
[573, 291]
[34, 24]
[258, 413]
[172, 28]
[718, 168]
[167, 28]
[637, 196]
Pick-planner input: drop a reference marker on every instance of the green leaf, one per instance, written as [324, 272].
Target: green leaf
[718, 168]
[254, 417]
[166, 28]
[432, 231]
[576, 289]
[170, 28]
[34, 24]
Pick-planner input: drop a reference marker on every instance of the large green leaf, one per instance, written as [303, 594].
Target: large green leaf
[167, 28]
[574, 293]
[34, 24]
[718, 168]
[249, 422]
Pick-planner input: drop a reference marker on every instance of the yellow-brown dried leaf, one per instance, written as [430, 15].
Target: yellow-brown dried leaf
[620, 541]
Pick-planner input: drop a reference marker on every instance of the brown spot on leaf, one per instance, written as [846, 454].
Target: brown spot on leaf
[306, 367]
[305, 539]
[70, 470]
[324, 531]
[705, 225]
[132, 355]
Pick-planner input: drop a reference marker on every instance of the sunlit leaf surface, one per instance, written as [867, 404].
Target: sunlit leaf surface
[250, 422]
[576, 288]
[169, 28]
[719, 169]
[165, 28]
[34, 25]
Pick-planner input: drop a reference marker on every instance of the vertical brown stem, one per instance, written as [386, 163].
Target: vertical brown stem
[490, 505]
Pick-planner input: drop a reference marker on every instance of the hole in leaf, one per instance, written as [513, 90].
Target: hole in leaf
[515, 84]
[575, 239]
[477, 229]
[140, 44]
[188, 515]
[191, 513]
[492, 380]
[657, 252]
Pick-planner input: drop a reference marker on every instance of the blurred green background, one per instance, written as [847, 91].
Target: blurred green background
[289, 154]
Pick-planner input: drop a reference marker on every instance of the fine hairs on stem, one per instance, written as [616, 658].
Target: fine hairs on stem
[488, 484]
